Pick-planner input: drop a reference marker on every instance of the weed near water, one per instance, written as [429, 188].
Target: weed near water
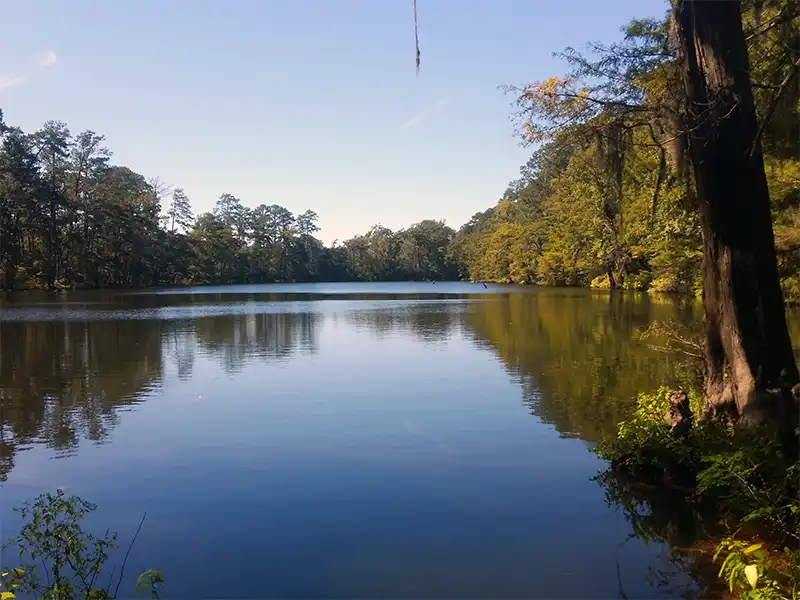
[59, 560]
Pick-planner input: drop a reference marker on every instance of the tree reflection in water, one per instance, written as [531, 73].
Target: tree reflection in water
[576, 355]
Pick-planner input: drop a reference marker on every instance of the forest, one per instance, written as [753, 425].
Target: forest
[71, 218]
[606, 200]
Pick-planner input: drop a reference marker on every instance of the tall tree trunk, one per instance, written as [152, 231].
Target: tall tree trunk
[749, 358]
[612, 282]
[52, 246]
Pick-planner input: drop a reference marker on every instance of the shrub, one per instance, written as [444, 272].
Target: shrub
[61, 561]
[739, 485]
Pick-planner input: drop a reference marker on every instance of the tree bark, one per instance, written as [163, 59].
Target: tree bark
[749, 359]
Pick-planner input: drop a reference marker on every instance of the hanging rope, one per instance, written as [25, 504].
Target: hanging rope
[416, 35]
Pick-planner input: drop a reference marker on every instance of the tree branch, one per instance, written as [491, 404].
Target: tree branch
[774, 105]
[778, 19]
[604, 103]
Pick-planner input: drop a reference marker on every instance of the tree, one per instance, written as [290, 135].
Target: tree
[234, 215]
[307, 250]
[52, 143]
[68, 217]
[21, 191]
[88, 158]
[422, 250]
[748, 349]
[179, 213]
[217, 251]
[307, 223]
[694, 99]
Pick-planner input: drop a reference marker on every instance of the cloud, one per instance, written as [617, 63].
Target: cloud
[13, 80]
[48, 59]
[426, 114]
[20, 76]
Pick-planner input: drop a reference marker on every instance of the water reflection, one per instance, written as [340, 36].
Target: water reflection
[376, 435]
[63, 381]
[668, 517]
[578, 355]
[574, 353]
[426, 323]
[60, 382]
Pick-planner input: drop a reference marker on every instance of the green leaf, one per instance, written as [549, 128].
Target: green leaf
[752, 548]
[727, 560]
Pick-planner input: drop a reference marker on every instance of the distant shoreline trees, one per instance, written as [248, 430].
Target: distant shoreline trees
[69, 218]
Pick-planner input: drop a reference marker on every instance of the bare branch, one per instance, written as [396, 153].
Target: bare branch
[125, 560]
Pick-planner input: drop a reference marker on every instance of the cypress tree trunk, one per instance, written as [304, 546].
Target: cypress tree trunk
[749, 358]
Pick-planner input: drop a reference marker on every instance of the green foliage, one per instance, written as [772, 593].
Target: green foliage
[148, 583]
[645, 446]
[71, 219]
[606, 201]
[564, 224]
[753, 573]
[58, 559]
[608, 198]
[733, 484]
[648, 416]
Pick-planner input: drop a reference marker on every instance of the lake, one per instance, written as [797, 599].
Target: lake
[340, 440]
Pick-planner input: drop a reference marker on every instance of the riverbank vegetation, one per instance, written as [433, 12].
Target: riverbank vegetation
[725, 498]
[609, 197]
[727, 456]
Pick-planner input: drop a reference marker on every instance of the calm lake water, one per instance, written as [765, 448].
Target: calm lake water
[339, 440]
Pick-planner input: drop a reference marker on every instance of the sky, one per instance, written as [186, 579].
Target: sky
[303, 103]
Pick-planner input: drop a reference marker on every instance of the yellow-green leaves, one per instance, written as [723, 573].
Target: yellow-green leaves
[752, 548]
[751, 572]
[546, 106]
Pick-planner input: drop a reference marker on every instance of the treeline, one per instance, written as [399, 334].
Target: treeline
[607, 199]
[70, 218]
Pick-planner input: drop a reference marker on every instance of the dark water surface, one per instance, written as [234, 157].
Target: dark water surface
[338, 440]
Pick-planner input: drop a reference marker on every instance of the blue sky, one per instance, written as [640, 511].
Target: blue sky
[304, 103]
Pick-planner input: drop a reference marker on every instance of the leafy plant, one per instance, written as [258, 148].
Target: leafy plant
[752, 574]
[728, 492]
[149, 582]
[59, 560]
